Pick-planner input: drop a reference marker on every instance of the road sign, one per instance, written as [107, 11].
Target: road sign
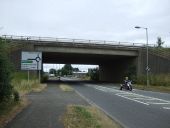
[31, 60]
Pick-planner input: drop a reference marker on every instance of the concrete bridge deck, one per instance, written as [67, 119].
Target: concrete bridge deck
[114, 58]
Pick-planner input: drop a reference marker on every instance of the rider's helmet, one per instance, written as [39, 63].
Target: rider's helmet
[126, 78]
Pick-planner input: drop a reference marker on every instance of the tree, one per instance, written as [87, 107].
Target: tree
[76, 70]
[159, 42]
[6, 89]
[53, 71]
[94, 74]
[67, 70]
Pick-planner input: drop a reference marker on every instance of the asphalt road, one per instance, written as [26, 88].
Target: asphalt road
[136, 109]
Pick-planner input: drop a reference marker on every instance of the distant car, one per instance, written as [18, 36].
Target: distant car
[51, 75]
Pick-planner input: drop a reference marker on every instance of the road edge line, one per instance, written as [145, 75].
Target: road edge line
[93, 104]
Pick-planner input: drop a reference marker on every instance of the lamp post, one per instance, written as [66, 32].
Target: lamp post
[147, 64]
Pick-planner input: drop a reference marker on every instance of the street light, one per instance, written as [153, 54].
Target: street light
[147, 65]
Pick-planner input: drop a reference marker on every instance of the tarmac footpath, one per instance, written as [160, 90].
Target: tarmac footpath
[46, 108]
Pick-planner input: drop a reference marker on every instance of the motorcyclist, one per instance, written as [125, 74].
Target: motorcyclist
[126, 85]
[126, 80]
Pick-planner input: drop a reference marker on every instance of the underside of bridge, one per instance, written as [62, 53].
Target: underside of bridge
[111, 67]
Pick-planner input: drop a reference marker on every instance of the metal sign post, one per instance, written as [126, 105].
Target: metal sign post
[28, 77]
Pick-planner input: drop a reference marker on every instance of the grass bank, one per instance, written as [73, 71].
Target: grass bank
[153, 88]
[159, 82]
[87, 117]
[21, 84]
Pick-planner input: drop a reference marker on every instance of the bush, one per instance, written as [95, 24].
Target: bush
[44, 78]
[131, 73]
[5, 72]
[94, 74]
[156, 80]
[16, 96]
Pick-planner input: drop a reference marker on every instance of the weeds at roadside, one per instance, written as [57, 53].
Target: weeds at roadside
[87, 117]
[23, 87]
[66, 88]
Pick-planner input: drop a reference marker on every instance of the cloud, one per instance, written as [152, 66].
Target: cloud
[86, 19]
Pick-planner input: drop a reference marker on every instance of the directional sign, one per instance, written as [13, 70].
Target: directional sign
[31, 61]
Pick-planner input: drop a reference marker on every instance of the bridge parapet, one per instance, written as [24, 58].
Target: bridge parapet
[76, 41]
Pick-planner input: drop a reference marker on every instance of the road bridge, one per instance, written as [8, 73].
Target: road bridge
[114, 58]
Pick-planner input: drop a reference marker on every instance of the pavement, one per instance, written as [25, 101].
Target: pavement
[136, 109]
[46, 108]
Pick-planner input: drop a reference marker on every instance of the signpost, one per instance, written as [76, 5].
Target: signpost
[31, 61]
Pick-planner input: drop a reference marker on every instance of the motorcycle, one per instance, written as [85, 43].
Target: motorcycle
[127, 86]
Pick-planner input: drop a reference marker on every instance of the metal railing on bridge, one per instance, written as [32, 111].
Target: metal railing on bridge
[76, 41]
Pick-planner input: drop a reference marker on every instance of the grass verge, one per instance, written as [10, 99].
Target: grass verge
[8, 110]
[165, 89]
[66, 88]
[23, 87]
[87, 117]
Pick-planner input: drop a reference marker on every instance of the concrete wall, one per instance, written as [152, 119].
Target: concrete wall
[156, 63]
[115, 71]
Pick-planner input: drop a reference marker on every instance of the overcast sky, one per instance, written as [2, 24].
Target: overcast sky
[87, 19]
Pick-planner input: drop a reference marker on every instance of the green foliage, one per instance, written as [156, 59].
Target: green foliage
[82, 111]
[141, 80]
[87, 117]
[155, 80]
[131, 73]
[94, 74]
[16, 96]
[19, 76]
[5, 107]
[76, 70]
[5, 72]
[66, 70]
[44, 78]
[159, 42]
[53, 71]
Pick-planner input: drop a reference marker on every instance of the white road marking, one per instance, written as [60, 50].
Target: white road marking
[146, 100]
[158, 103]
[133, 100]
[166, 108]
